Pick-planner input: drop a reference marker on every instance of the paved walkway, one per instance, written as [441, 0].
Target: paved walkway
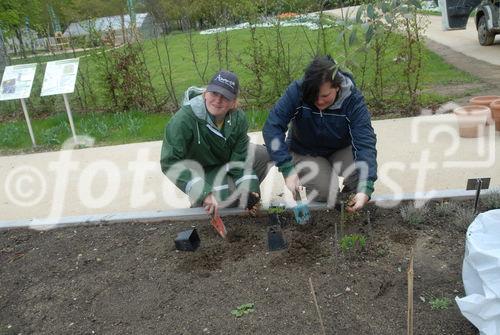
[463, 41]
[418, 154]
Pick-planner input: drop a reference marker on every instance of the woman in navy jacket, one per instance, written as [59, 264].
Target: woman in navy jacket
[329, 134]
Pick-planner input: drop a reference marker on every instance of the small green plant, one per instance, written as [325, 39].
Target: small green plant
[492, 199]
[243, 309]
[276, 210]
[353, 242]
[440, 303]
[413, 215]
[351, 216]
[346, 215]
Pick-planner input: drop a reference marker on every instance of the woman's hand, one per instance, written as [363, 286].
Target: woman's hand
[357, 202]
[252, 211]
[211, 205]
[292, 182]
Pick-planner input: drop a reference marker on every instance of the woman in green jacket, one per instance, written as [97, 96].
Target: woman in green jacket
[206, 150]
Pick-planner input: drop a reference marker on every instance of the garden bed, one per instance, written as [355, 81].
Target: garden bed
[129, 279]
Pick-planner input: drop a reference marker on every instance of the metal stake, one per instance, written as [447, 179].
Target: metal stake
[70, 117]
[26, 116]
[477, 184]
[478, 191]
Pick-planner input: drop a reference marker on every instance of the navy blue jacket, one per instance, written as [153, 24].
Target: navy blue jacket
[321, 133]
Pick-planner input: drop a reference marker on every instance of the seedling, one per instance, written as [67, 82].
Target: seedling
[275, 215]
[243, 309]
[354, 242]
[276, 209]
[440, 303]
[346, 215]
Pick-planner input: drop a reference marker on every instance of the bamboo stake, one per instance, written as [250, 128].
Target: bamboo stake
[336, 241]
[317, 307]
[369, 222]
[342, 218]
[410, 296]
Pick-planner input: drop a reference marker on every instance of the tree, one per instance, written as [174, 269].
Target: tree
[14, 15]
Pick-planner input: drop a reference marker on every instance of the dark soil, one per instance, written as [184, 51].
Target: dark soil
[129, 279]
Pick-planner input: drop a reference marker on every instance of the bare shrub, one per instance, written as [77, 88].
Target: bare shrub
[446, 209]
[492, 199]
[463, 218]
[413, 215]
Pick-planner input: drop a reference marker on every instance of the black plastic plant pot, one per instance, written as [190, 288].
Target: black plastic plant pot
[274, 220]
[187, 240]
[275, 239]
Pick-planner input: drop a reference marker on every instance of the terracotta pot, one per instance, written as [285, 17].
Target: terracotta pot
[472, 120]
[495, 112]
[485, 100]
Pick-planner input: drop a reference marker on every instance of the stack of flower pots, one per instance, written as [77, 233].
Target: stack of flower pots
[472, 120]
[495, 111]
[475, 117]
[485, 100]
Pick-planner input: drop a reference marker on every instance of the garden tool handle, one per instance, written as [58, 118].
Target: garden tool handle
[302, 193]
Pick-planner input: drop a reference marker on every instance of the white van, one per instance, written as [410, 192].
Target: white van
[456, 13]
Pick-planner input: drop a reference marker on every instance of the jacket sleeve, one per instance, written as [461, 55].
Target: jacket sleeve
[177, 138]
[276, 126]
[364, 143]
[244, 178]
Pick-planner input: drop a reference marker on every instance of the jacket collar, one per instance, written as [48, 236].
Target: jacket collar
[345, 91]
[197, 104]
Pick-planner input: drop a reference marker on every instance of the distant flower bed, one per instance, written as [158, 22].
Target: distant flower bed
[286, 16]
[311, 21]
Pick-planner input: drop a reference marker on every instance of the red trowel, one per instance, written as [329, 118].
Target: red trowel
[217, 223]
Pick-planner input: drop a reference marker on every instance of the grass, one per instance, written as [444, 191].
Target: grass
[106, 128]
[51, 130]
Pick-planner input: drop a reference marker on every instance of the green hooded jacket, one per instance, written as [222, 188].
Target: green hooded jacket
[198, 157]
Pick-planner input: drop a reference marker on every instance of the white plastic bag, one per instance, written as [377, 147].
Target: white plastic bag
[481, 274]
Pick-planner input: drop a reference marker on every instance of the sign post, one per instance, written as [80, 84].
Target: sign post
[17, 82]
[477, 184]
[27, 117]
[60, 78]
[70, 117]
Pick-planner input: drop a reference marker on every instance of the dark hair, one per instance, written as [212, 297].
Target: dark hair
[321, 70]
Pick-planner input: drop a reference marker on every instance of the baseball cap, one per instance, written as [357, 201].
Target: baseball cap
[225, 83]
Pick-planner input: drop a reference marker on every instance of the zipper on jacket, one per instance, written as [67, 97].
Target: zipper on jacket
[198, 130]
